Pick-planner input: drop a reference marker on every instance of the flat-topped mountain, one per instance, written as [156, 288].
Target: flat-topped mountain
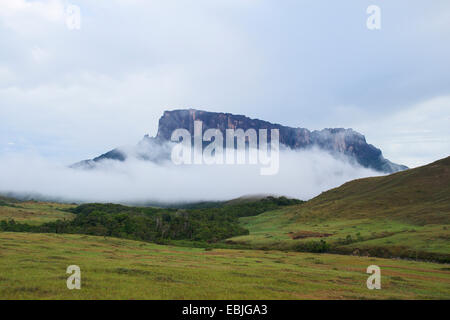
[337, 141]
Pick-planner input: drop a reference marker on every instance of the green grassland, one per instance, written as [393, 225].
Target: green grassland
[359, 236]
[406, 214]
[33, 212]
[33, 266]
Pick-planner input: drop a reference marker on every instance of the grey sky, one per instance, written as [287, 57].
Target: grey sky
[73, 94]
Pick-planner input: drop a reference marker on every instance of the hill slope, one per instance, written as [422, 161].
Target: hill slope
[420, 196]
[406, 214]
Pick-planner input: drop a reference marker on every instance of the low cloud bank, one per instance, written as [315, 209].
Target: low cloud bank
[302, 174]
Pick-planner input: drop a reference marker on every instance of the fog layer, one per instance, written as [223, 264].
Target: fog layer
[302, 174]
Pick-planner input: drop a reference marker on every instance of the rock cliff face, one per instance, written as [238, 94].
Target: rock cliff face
[337, 141]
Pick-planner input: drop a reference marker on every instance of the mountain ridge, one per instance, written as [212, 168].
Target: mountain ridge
[338, 141]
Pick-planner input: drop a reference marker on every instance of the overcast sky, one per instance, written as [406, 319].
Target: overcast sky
[74, 94]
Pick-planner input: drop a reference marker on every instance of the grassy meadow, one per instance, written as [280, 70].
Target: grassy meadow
[288, 249]
[33, 266]
[282, 229]
[34, 212]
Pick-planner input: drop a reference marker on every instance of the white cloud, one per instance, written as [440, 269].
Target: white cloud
[6, 76]
[39, 55]
[415, 136]
[302, 174]
[28, 17]
[292, 63]
[91, 113]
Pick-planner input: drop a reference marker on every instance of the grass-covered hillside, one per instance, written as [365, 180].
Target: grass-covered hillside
[33, 212]
[406, 214]
[418, 196]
